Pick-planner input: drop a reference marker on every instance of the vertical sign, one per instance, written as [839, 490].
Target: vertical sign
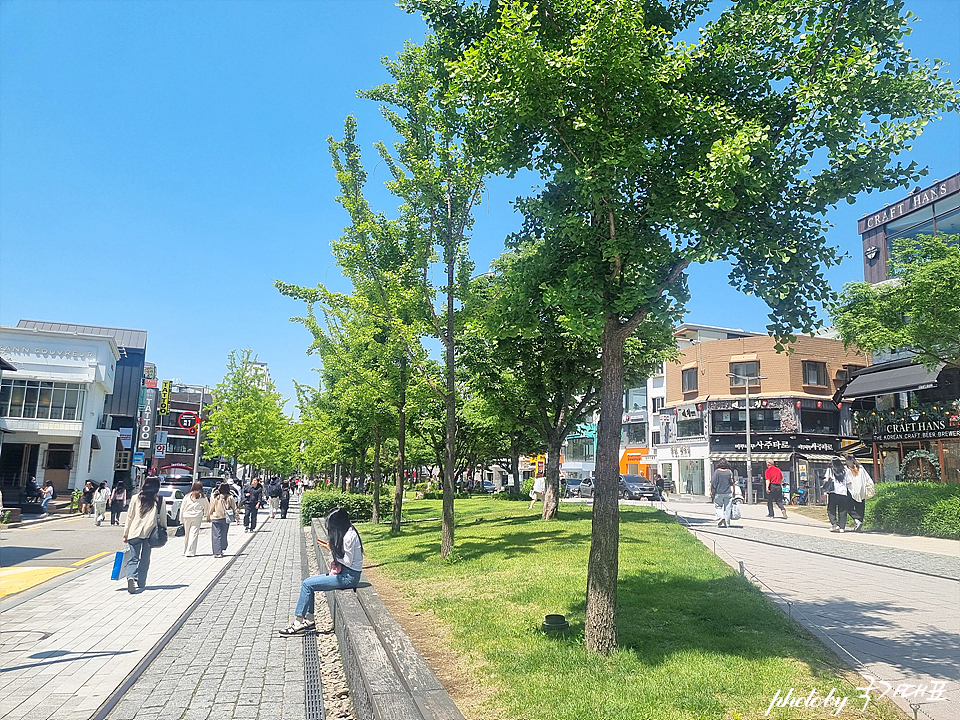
[165, 397]
[147, 420]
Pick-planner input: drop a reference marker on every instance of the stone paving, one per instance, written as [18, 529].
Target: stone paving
[62, 649]
[227, 660]
[891, 606]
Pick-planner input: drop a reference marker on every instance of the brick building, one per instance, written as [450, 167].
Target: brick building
[793, 418]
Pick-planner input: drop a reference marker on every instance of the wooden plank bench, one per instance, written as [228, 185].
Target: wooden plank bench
[387, 675]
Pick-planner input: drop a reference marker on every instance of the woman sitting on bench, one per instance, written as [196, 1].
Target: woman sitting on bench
[343, 542]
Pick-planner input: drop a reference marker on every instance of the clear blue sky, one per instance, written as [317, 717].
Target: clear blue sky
[162, 162]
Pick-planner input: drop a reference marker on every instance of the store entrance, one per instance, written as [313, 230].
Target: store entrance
[18, 463]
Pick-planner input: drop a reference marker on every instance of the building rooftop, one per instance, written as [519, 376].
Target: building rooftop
[136, 339]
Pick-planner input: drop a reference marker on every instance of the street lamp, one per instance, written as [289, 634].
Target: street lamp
[747, 379]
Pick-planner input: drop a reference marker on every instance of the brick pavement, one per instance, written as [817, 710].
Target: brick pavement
[227, 660]
[65, 647]
[891, 602]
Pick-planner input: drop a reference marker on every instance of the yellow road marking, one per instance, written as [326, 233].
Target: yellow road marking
[65, 519]
[92, 557]
[14, 580]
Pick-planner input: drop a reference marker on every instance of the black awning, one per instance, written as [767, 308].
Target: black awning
[94, 442]
[892, 380]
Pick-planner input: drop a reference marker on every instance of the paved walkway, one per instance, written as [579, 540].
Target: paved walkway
[61, 653]
[888, 604]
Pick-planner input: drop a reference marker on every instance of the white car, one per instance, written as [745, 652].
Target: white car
[173, 499]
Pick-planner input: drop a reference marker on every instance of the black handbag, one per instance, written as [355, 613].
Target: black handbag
[158, 536]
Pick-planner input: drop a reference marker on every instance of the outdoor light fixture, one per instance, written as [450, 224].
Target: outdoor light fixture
[871, 252]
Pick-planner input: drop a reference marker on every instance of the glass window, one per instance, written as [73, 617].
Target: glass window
[689, 379]
[655, 437]
[59, 457]
[949, 224]
[744, 370]
[903, 222]
[658, 404]
[16, 398]
[579, 450]
[690, 428]
[45, 400]
[814, 373]
[5, 387]
[944, 206]
[922, 229]
[634, 434]
[735, 421]
[30, 397]
[820, 422]
[636, 399]
[56, 409]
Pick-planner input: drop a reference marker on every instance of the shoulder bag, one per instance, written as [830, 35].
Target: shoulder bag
[158, 536]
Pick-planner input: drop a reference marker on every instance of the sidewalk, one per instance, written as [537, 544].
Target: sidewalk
[67, 646]
[887, 604]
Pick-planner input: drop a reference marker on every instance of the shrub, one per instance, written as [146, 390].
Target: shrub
[914, 508]
[511, 496]
[943, 520]
[318, 503]
[439, 496]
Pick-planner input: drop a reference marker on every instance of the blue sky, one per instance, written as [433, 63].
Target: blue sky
[161, 163]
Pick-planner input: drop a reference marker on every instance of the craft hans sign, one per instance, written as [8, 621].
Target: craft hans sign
[919, 430]
[919, 199]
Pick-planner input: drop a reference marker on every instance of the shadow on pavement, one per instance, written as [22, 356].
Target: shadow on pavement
[63, 658]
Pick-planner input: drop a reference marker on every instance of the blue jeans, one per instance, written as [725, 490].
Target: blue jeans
[46, 501]
[139, 561]
[347, 578]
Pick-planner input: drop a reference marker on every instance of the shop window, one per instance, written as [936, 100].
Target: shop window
[690, 428]
[744, 370]
[41, 400]
[735, 421]
[820, 422]
[636, 399]
[59, 457]
[815, 373]
[689, 380]
[634, 434]
[579, 450]
[122, 461]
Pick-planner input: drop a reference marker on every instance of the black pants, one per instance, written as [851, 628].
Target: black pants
[837, 510]
[284, 506]
[115, 509]
[856, 508]
[250, 517]
[774, 495]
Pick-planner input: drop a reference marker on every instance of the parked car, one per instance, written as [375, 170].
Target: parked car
[585, 490]
[637, 487]
[571, 488]
[173, 499]
[489, 487]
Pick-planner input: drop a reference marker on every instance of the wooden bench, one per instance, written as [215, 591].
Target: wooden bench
[387, 675]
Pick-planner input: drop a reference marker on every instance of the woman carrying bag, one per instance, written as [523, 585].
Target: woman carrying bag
[118, 498]
[836, 489]
[223, 510]
[146, 513]
[195, 509]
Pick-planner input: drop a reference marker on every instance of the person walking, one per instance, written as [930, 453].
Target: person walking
[837, 498]
[252, 499]
[101, 497]
[223, 511]
[47, 497]
[118, 498]
[273, 496]
[346, 549]
[774, 483]
[194, 510]
[537, 491]
[86, 497]
[284, 499]
[855, 478]
[721, 490]
[145, 513]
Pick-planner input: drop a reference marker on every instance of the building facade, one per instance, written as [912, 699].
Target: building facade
[52, 408]
[179, 448]
[794, 419]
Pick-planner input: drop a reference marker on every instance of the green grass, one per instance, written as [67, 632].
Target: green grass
[696, 640]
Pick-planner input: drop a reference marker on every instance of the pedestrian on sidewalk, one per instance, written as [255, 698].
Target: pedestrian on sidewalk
[721, 491]
[273, 496]
[252, 499]
[346, 549]
[836, 489]
[101, 497]
[194, 510]
[284, 499]
[774, 484]
[223, 511]
[145, 513]
[118, 498]
[47, 496]
[86, 497]
[855, 478]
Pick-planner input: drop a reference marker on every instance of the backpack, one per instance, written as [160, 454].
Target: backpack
[274, 490]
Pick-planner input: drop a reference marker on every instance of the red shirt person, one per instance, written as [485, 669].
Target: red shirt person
[774, 485]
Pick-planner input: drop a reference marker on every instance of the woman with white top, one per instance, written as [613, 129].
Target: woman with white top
[837, 499]
[101, 496]
[194, 510]
[146, 511]
[344, 544]
[855, 479]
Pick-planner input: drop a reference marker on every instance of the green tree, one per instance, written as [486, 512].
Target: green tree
[659, 153]
[245, 422]
[918, 309]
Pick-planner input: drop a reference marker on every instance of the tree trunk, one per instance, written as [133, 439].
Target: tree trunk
[600, 626]
[515, 460]
[376, 475]
[450, 404]
[551, 492]
[401, 447]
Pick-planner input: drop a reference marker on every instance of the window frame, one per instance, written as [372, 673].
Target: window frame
[688, 373]
[736, 381]
[820, 368]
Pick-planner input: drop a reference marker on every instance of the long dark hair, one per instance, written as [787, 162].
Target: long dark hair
[838, 468]
[197, 490]
[338, 523]
[148, 495]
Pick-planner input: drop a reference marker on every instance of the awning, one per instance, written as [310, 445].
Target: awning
[94, 442]
[893, 380]
[819, 458]
[756, 457]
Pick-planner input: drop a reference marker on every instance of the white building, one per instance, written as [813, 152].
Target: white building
[51, 408]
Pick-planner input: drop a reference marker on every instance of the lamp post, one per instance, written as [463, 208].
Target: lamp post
[747, 379]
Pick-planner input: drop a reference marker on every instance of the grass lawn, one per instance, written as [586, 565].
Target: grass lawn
[696, 640]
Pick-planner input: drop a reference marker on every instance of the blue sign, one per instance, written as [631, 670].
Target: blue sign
[138, 458]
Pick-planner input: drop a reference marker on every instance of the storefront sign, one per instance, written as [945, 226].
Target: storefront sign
[126, 438]
[160, 450]
[138, 458]
[688, 413]
[920, 430]
[147, 419]
[774, 443]
[165, 391]
[150, 382]
[916, 201]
